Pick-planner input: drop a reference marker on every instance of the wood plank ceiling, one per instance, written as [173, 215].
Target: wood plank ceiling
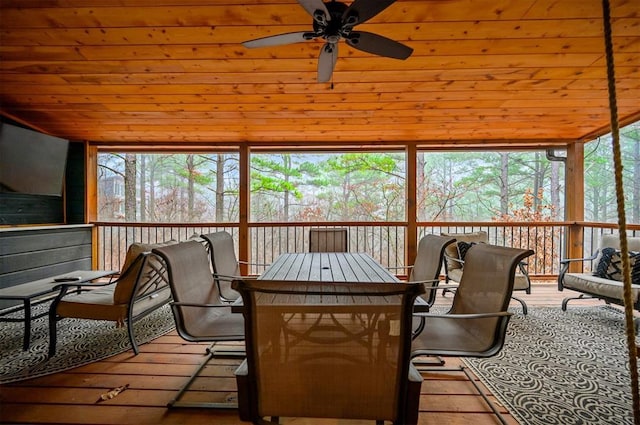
[483, 72]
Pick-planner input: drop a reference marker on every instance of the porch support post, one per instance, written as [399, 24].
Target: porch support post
[91, 198]
[243, 231]
[411, 238]
[574, 206]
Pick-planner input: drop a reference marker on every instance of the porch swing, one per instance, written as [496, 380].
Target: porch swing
[622, 226]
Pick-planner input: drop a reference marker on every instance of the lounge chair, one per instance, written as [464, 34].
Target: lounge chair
[141, 288]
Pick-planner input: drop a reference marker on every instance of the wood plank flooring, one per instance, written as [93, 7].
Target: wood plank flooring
[164, 365]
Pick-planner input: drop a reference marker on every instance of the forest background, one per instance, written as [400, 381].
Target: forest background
[366, 186]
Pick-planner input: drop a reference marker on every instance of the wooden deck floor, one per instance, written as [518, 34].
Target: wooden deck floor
[162, 367]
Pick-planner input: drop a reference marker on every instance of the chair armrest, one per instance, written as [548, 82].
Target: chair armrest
[457, 260]
[232, 278]
[398, 268]
[465, 316]
[571, 260]
[522, 266]
[253, 264]
[63, 287]
[434, 288]
[468, 316]
[425, 281]
[183, 304]
[564, 267]
[228, 278]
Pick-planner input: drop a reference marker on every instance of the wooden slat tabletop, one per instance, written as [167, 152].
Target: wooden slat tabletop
[328, 267]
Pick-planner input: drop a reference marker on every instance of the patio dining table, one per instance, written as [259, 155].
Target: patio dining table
[328, 267]
[325, 299]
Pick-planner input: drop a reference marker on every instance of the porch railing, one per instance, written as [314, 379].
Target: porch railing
[384, 241]
[546, 239]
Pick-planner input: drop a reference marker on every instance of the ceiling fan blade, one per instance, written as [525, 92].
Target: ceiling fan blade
[378, 45]
[311, 6]
[327, 61]
[280, 39]
[365, 9]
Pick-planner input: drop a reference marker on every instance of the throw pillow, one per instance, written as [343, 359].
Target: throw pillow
[603, 264]
[610, 265]
[463, 247]
[635, 267]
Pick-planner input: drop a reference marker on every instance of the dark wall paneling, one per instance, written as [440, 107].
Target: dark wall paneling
[18, 208]
[35, 253]
[75, 184]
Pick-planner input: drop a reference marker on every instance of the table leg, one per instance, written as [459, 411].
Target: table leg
[27, 324]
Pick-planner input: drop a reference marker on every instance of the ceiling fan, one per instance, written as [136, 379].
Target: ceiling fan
[334, 21]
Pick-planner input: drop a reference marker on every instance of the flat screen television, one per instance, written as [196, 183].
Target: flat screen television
[31, 162]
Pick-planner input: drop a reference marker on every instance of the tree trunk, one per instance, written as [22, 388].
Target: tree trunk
[287, 167]
[537, 181]
[190, 188]
[635, 196]
[420, 186]
[152, 191]
[504, 183]
[130, 187]
[142, 191]
[220, 188]
[555, 186]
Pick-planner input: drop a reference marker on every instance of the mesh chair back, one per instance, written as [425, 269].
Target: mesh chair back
[328, 349]
[487, 283]
[477, 322]
[224, 262]
[428, 264]
[328, 240]
[194, 292]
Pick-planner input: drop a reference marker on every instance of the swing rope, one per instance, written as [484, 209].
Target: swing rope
[622, 226]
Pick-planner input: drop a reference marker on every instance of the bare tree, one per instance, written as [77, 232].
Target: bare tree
[130, 187]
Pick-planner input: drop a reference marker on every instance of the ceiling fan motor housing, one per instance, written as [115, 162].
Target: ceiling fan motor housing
[335, 28]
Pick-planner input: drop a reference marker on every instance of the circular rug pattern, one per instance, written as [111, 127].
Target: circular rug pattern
[568, 368]
[79, 342]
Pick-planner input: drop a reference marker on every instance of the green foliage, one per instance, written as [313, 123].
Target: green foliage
[599, 177]
[371, 186]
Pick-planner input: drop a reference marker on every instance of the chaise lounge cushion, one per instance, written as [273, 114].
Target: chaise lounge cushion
[587, 282]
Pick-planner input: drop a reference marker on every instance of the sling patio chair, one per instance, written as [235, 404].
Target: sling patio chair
[328, 240]
[198, 310]
[476, 324]
[140, 289]
[427, 267]
[224, 263]
[308, 356]
[455, 256]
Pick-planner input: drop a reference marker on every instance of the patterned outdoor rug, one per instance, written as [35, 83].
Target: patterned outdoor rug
[79, 342]
[562, 367]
